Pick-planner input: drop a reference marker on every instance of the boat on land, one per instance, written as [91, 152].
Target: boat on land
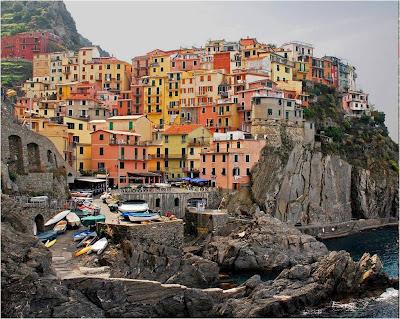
[141, 217]
[50, 243]
[60, 227]
[81, 234]
[57, 218]
[92, 220]
[48, 235]
[99, 246]
[83, 251]
[73, 219]
[132, 206]
[89, 238]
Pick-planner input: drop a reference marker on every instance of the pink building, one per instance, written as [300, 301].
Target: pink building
[356, 103]
[230, 158]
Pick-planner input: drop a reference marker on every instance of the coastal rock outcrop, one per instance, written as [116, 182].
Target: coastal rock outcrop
[304, 186]
[333, 277]
[266, 244]
[308, 189]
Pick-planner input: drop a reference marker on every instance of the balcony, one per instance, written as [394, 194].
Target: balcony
[122, 142]
[175, 156]
[155, 156]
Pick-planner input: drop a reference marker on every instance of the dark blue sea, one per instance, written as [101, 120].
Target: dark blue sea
[383, 242]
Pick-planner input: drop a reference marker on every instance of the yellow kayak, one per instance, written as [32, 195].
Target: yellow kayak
[83, 251]
[48, 244]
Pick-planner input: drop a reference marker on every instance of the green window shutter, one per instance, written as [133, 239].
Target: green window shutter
[111, 125]
[130, 125]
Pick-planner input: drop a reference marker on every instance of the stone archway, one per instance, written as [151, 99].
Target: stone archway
[33, 157]
[38, 226]
[16, 161]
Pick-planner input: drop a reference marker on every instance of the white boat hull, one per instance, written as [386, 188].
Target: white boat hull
[57, 218]
[133, 208]
[143, 218]
[99, 246]
[73, 219]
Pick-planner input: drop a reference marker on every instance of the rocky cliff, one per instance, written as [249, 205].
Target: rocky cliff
[351, 172]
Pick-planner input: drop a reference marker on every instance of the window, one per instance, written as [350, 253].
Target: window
[81, 166]
[101, 137]
[75, 139]
[269, 111]
[69, 112]
[213, 171]
[223, 158]
[248, 171]
[80, 127]
[81, 150]
[122, 165]
[277, 67]
[100, 166]
[130, 125]
[111, 125]
[204, 171]
[223, 172]
[238, 144]
[101, 151]
[247, 158]
[236, 159]
[287, 70]
[204, 158]
[166, 163]
[71, 126]
[122, 179]
[158, 201]
[176, 202]
[213, 158]
[287, 115]
[191, 151]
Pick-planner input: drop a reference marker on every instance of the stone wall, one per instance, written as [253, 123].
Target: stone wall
[30, 161]
[302, 132]
[162, 233]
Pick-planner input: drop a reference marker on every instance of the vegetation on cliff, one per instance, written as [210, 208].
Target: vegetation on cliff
[363, 142]
[14, 72]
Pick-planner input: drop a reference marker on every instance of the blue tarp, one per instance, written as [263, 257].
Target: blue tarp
[199, 180]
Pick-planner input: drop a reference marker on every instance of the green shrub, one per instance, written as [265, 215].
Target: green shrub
[335, 132]
[395, 165]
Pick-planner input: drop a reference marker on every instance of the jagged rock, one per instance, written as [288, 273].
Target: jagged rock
[196, 272]
[267, 245]
[334, 276]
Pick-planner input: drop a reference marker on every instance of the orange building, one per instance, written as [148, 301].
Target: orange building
[222, 60]
[121, 155]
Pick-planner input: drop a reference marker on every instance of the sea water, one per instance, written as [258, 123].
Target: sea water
[385, 243]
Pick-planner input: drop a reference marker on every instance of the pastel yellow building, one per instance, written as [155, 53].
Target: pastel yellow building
[155, 153]
[281, 68]
[133, 123]
[179, 142]
[295, 86]
[82, 157]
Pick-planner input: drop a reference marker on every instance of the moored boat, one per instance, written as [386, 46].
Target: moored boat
[60, 227]
[57, 217]
[83, 251]
[50, 243]
[133, 217]
[73, 219]
[132, 206]
[48, 235]
[81, 234]
[92, 220]
[87, 239]
[99, 246]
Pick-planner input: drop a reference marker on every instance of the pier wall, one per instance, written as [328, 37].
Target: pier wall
[173, 201]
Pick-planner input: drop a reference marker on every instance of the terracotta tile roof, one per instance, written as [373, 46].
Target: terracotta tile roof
[247, 42]
[181, 129]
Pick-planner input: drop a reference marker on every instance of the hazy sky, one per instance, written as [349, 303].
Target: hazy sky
[363, 33]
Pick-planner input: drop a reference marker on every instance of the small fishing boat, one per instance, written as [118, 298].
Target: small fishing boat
[81, 234]
[73, 219]
[99, 246]
[83, 251]
[132, 206]
[143, 217]
[50, 243]
[39, 199]
[48, 235]
[57, 218]
[92, 220]
[60, 227]
[87, 239]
